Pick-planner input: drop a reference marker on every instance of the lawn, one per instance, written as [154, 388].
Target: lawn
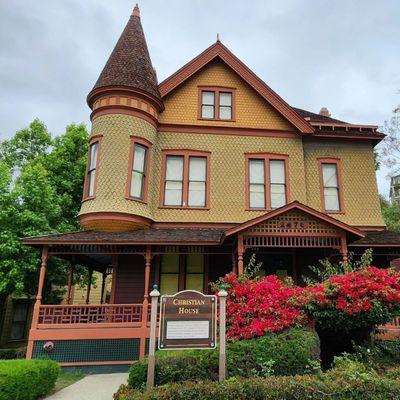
[66, 379]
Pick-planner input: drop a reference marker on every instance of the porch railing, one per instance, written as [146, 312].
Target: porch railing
[121, 314]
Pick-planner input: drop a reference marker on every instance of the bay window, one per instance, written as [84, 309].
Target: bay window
[267, 181]
[185, 179]
[216, 103]
[330, 185]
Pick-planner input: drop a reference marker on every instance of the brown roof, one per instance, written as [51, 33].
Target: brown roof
[129, 63]
[317, 117]
[145, 236]
[380, 238]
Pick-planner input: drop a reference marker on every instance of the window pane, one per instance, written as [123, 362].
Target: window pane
[257, 171]
[225, 113]
[136, 184]
[207, 111]
[197, 194]
[225, 99]
[278, 195]
[17, 331]
[329, 173]
[331, 199]
[208, 98]
[277, 171]
[139, 158]
[195, 263]
[174, 168]
[170, 263]
[92, 176]
[195, 282]
[197, 169]
[169, 283]
[257, 196]
[93, 155]
[173, 193]
[20, 312]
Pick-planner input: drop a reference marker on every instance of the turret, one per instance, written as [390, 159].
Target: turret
[125, 103]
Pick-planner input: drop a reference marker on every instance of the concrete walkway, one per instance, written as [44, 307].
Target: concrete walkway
[92, 387]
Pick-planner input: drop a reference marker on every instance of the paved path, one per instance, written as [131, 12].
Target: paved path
[92, 387]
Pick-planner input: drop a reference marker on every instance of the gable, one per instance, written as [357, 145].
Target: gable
[251, 110]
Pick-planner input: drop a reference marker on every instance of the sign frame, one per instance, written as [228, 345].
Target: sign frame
[166, 304]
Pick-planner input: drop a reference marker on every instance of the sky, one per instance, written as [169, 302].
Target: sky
[339, 54]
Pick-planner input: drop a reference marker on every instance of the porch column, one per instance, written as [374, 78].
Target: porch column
[147, 267]
[89, 286]
[113, 278]
[36, 308]
[343, 249]
[103, 286]
[70, 281]
[234, 264]
[240, 255]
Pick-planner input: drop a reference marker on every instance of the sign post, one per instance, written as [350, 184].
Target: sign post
[154, 294]
[222, 294]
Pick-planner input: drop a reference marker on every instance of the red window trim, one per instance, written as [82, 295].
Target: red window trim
[92, 140]
[266, 157]
[217, 90]
[337, 161]
[185, 154]
[148, 145]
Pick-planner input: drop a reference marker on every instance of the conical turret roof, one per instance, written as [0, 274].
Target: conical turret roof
[129, 64]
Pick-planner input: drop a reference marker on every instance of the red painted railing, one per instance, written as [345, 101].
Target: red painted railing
[90, 314]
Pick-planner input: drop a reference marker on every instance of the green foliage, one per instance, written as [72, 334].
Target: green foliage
[41, 184]
[327, 269]
[10, 354]
[391, 214]
[349, 380]
[378, 353]
[295, 351]
[27, 379]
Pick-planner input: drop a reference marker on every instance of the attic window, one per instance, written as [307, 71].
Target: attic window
[216, 103]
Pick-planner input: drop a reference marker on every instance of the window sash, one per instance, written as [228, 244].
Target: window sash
[207, 104]
[139, 165]
[91, 174]
[330, 179]
[225, 106]
[197, 181]
[173, 190]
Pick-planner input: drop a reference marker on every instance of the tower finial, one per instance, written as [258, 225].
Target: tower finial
[136, 11]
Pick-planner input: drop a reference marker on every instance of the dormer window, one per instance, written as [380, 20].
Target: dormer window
[139, 166]
[216, 104]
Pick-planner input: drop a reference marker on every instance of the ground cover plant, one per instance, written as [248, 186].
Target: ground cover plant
[27, 379]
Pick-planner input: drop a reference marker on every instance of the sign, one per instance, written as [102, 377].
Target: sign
[188, 320]
[289, 224]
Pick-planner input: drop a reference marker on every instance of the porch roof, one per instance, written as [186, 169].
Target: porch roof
[384, 238]
[165, 236]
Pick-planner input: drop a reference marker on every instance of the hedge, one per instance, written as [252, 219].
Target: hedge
[350, 383]
[379, 352]
[295, 351]
[27, 379]
[11, 354]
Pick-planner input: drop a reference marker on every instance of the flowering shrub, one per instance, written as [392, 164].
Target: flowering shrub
[256, 307]
[361, 299]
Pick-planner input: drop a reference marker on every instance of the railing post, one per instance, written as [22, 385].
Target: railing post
[155, 294]
[36, 308]
[222, 294]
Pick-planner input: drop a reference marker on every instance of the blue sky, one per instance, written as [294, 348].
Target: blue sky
[341, 54]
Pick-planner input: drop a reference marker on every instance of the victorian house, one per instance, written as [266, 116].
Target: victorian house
[186, 179]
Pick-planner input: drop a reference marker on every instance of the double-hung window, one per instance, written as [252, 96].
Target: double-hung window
[186, 179]
[94, 148]
[267, 181]
[330, 182]
[139, 167]
[217, 104]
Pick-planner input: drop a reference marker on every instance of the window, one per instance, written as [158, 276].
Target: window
[267, 186]
[92, 167]
[139, 168]
[185, 179]
[19, 320]
[217, 104]
[330, 185]
[190, 267]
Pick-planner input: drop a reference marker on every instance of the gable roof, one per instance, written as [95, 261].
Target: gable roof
[218, 50]
[129, 64]
[295, 205]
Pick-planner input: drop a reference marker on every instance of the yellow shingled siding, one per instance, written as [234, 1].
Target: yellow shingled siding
[360, 194]
[252, 111]
[113, 164]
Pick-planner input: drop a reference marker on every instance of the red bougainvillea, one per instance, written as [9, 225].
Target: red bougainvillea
[255, 308]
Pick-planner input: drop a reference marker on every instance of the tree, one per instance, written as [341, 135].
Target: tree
[44, 197]
[391, 214]
[390, 147]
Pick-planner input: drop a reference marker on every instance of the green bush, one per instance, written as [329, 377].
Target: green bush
[348, 381]
[377, 353]
[295, 351]
[27, 379]
[10, 354]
